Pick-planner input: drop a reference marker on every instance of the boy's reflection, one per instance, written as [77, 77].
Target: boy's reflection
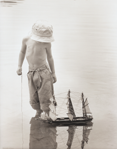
[42, 135]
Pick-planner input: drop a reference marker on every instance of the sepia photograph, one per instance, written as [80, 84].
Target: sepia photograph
[58, 74]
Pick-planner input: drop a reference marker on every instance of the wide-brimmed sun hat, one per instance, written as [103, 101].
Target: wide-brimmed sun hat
[42, 31]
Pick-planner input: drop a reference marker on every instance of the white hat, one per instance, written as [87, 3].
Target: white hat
[42, 31]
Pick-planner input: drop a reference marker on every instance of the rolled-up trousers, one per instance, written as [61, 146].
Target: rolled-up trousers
[40, 88]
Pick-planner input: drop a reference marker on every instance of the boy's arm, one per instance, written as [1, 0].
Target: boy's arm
[21, 57]
[51, 62]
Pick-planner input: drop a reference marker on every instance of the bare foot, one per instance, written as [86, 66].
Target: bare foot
[38, 113]
[45, 116]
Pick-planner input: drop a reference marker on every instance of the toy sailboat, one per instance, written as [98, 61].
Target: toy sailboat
[72, 118]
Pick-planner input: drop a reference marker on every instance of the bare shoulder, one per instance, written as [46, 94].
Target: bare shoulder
[48, 46]
[24, 44]
[25, 40]
[48, 50]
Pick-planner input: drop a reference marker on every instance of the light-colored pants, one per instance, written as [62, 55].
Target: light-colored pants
[40, 88]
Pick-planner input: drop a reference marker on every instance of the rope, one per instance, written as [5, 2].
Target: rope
[22, 109]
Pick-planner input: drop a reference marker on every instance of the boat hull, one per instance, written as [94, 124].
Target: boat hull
[76, 121]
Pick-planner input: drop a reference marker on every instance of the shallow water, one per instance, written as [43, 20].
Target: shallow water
[85, 56]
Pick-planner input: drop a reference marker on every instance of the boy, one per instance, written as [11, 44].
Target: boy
[37, 49]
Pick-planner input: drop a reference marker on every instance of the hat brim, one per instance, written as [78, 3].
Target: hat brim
[42, 39]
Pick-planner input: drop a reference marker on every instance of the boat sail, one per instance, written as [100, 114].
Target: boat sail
[71, 114]
[85, 107]
[52, 106]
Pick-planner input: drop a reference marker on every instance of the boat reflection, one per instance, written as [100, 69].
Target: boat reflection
[44, 135]
[83, 133]
[8, 3]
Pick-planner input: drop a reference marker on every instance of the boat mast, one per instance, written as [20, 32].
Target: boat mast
[83, 105]
[70, 106]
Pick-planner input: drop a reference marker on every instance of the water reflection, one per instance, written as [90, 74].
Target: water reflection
[84, 131]
[46, 136]
[8, 3]
[42, 135]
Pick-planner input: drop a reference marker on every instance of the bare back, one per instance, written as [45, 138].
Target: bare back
[36, 53]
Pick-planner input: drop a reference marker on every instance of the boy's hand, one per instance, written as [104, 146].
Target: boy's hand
[19, 71]
[54, 77]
